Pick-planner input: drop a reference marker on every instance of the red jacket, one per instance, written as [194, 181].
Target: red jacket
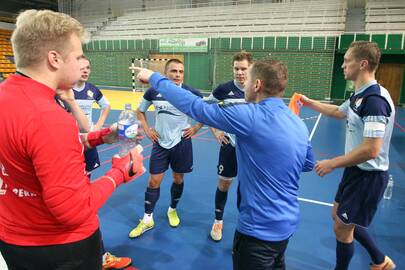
[46, 197]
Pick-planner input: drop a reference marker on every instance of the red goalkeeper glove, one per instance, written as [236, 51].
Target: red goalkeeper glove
[95, 138]
[127, 168]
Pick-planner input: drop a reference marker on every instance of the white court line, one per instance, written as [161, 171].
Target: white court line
[310, 118]
[310, 138]
[315, 126]
[315, 202]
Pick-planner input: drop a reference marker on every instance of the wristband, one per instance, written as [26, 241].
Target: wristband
[95, 138]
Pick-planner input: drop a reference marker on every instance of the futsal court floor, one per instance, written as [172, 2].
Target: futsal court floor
[189, 246]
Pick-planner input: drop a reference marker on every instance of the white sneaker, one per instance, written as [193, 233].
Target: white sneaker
[216, 231]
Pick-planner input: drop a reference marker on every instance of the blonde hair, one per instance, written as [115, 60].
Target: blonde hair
[40, 31]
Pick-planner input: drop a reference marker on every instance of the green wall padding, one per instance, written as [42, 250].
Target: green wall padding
[197, 73]
[306, 70]
[111, 68]
[388, 43]
[307, 60]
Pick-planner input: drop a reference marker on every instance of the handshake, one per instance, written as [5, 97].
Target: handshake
[124, 169]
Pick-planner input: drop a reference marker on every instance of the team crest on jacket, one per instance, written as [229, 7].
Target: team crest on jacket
[358, 102]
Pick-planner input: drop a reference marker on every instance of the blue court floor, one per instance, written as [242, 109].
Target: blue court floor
[189, 247]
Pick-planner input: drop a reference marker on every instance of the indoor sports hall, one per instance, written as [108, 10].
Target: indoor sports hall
[310, 36]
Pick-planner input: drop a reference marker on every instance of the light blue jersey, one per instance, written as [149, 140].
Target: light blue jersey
[370, 113]
[86, 96]
[170, 122]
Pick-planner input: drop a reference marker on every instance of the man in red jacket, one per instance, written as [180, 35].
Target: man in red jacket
[48, 210]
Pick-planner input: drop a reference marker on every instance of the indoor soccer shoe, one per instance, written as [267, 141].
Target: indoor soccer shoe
[112, 262]
[141, 228]
[174, 220]
[216, 231]
[388, 264]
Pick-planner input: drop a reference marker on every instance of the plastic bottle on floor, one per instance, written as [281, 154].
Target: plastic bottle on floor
[388, 189]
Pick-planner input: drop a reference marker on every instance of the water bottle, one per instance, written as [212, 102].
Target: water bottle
[388, 189]
[128, 130]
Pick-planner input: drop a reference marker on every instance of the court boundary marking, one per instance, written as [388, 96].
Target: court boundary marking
[315, 202]
[197, 136]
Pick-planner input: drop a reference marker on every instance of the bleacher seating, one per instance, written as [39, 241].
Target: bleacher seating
[314, 17]
[7, 65]
[94, 22]
[383, 16]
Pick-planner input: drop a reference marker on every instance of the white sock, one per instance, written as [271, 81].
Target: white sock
[171, 209]
[104, 257]
[218, 221]
[147, 218]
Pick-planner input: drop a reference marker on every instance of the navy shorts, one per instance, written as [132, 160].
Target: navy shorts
[180, 158]
[227, 164]
[358, 195]
[250, 253]
[92, 159]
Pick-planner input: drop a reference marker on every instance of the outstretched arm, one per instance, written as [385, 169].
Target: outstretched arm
[237, 119]
[326, 109]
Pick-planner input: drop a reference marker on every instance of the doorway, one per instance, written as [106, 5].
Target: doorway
[391, 77]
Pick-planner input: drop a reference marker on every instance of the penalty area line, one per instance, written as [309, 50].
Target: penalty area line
[315, 202]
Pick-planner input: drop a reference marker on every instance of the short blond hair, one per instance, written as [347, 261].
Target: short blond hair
[40, 31]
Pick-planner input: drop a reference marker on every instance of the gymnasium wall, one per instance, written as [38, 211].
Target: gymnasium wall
[110, 68]
[309, 60]
[314, 63]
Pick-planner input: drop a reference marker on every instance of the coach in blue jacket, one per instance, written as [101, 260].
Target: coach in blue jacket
[272, 150]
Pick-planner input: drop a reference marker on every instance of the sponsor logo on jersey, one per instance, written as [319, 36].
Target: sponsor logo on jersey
[358, 102]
